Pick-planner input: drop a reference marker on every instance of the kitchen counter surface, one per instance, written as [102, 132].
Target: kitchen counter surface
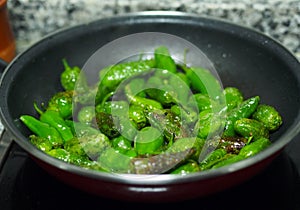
[32, 20]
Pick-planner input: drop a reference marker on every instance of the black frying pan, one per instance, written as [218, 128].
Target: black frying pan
[242, 57]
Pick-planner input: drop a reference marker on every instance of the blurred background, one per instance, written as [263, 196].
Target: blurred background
[32, 19]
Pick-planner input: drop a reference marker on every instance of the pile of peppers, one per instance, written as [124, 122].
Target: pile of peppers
[150, 116]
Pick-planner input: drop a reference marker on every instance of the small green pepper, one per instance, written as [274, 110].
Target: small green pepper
[188, 115]
[244, 110]
[69, 76]
[148, 141]
[108, 124]
[86, 114]
[203, 81]
[269, 116]
[112, 76]
[186, 168]
[212, 158]
[94, 145]
[145, 103]
[233, 96]
[115, 108]
[62, 102]
[54, 119]
[136, 85]
[254, 147]
[169, 124]
[229, 159]
[209, 124]
[184, 144]
[74, 147]
[113, 161]
[163, 59]
[43, 130]
[121, 144]
[203, 101]
[41, 143]
[81, 129]
[251, 128]
[137, 116]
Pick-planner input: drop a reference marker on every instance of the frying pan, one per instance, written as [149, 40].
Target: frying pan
[243, 57]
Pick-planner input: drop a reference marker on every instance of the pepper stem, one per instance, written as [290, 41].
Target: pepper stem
[37, 108]
[66, 65]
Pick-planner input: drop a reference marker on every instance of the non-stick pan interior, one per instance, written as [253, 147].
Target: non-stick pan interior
[243, 58]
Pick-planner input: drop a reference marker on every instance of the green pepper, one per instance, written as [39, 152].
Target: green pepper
[68, 157]
[186, 168]
[184, 144]
[62, 102]
[163, 59]
[148, 141]
[94, 145]
[74, 147]
[121, 144]
[41, 143]
[69, 76]
[254, 147]
[136, 85]
[269, 116]
[54, 119]
[209, 124]
[251, 128]
[145, 103]
[112, 76]
[137, 116]
[108, 124]
[169, 124]
[212, 158]
[81, 129]
[161, 95]
[203, 101]
[244, 110]
[166, 160]
[229, 159]
[233, 96]
[43, 130]
[86, 114]
[203, 81]
[188, 115]
[113, 161]
[116, 108]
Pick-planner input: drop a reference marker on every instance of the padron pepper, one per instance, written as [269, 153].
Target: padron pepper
[54, 119]
[112, 76]
[62, 102]
[43, 130]
[69, 76]
[186, 168]
[164, 60]
[244, 110]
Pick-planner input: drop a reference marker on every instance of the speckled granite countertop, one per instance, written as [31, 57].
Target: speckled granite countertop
[32, 20]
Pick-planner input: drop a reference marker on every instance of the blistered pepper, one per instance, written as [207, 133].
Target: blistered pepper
[43, 130]
[244, 110]
[112, 76]
[69, 76]
[54, 119]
